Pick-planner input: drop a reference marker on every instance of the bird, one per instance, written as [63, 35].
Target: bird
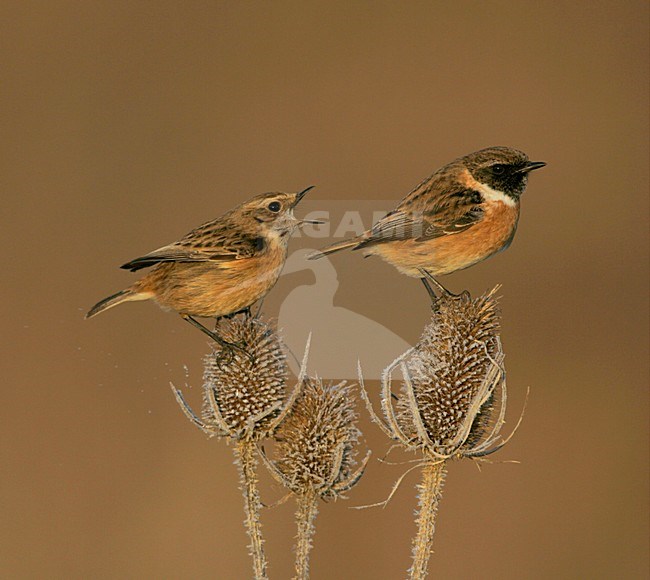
[220, 268]
[460, 215]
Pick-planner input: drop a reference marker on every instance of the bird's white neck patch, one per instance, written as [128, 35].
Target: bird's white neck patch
[487, 192]
[490, 194]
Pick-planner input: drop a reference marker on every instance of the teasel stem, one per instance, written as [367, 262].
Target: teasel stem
[246, 454]
[430, 492]
[305, 516]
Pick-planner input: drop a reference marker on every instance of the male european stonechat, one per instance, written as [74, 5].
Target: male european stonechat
[462, 214]
[220, 268]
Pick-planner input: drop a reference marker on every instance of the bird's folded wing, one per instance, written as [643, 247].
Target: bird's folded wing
[397, 225]
[451, 214]
[188, 250]
[453, 210]
[436, 226]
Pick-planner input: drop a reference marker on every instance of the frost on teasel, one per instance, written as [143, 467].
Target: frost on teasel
[316, 443]
[245, 393]
[450, 401]
[316, 450]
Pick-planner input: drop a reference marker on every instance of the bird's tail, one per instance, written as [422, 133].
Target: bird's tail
[351, 243]
[115, 299]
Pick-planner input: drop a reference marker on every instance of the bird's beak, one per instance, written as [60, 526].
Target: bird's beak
[301, 194]
[531, 166]
[295, 221]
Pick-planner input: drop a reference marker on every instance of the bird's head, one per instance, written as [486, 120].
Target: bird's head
[274, 211]
[502, 169]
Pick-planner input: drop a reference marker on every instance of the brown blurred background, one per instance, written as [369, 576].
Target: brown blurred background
[126, 124]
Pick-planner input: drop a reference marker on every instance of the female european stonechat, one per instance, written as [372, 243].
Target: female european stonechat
[220, 268]
[462, 214]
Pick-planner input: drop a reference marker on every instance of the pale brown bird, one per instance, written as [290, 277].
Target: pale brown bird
[220, 268]
[462, 214]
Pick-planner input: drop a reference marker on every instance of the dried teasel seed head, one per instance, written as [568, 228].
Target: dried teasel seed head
[316, 443]
[453, 373]
[245, 391]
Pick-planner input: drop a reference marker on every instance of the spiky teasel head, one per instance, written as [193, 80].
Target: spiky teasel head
[245, 392]
[316, 442]
[451, 382]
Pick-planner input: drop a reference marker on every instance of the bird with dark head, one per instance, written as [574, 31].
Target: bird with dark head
[464, 213]
[220, 268]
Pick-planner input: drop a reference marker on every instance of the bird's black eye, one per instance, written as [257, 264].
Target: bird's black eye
[498, 169]
[275, 206]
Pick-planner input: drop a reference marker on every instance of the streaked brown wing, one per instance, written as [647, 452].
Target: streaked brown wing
[397, 225]
[452, 213]
[208, 243]
[463, 219]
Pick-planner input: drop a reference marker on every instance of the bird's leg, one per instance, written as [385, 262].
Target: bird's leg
[259, 308]
[427, 279]
[211, 333]
[432, 294]
[229, 346]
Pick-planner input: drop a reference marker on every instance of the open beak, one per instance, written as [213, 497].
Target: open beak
[301, 194]
[297, 222]
[531, 166]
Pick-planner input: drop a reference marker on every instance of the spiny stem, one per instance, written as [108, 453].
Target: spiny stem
[246, 454]
[430, 492]
[305, 515]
